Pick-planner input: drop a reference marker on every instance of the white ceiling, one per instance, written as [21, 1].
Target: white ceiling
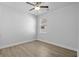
[24, 7]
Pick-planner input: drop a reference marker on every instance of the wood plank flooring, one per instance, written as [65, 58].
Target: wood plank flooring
[36, 49]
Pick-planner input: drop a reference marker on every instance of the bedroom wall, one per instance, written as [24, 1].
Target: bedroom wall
[15, 27]
[78, 26]
[62, 27]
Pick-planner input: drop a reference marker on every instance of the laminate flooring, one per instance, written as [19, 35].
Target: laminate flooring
[36, 49]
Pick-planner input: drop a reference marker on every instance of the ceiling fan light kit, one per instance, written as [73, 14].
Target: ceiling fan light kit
[37, 8]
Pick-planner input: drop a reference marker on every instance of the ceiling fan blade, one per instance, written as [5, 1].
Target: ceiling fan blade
[30, 3]
[31, 9]
[38, 3]
[43, 6]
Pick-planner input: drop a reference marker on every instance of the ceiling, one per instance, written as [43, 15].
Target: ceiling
[24, 7]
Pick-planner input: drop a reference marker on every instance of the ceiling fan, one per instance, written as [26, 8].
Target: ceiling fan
[36, 6]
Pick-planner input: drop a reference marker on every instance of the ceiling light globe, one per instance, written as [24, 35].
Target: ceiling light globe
[37, 8]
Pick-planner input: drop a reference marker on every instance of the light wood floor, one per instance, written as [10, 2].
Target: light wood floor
[36, 49]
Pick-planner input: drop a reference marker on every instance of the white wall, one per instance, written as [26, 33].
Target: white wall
[15, 27]
[78, 26]
[62, 27]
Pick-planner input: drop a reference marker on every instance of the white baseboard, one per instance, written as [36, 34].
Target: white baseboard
[58, 44]
[77, 53]
[14, 44]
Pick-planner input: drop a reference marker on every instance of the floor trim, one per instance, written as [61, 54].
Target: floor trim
[57, 44]
[77, 53]
[14, 44]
